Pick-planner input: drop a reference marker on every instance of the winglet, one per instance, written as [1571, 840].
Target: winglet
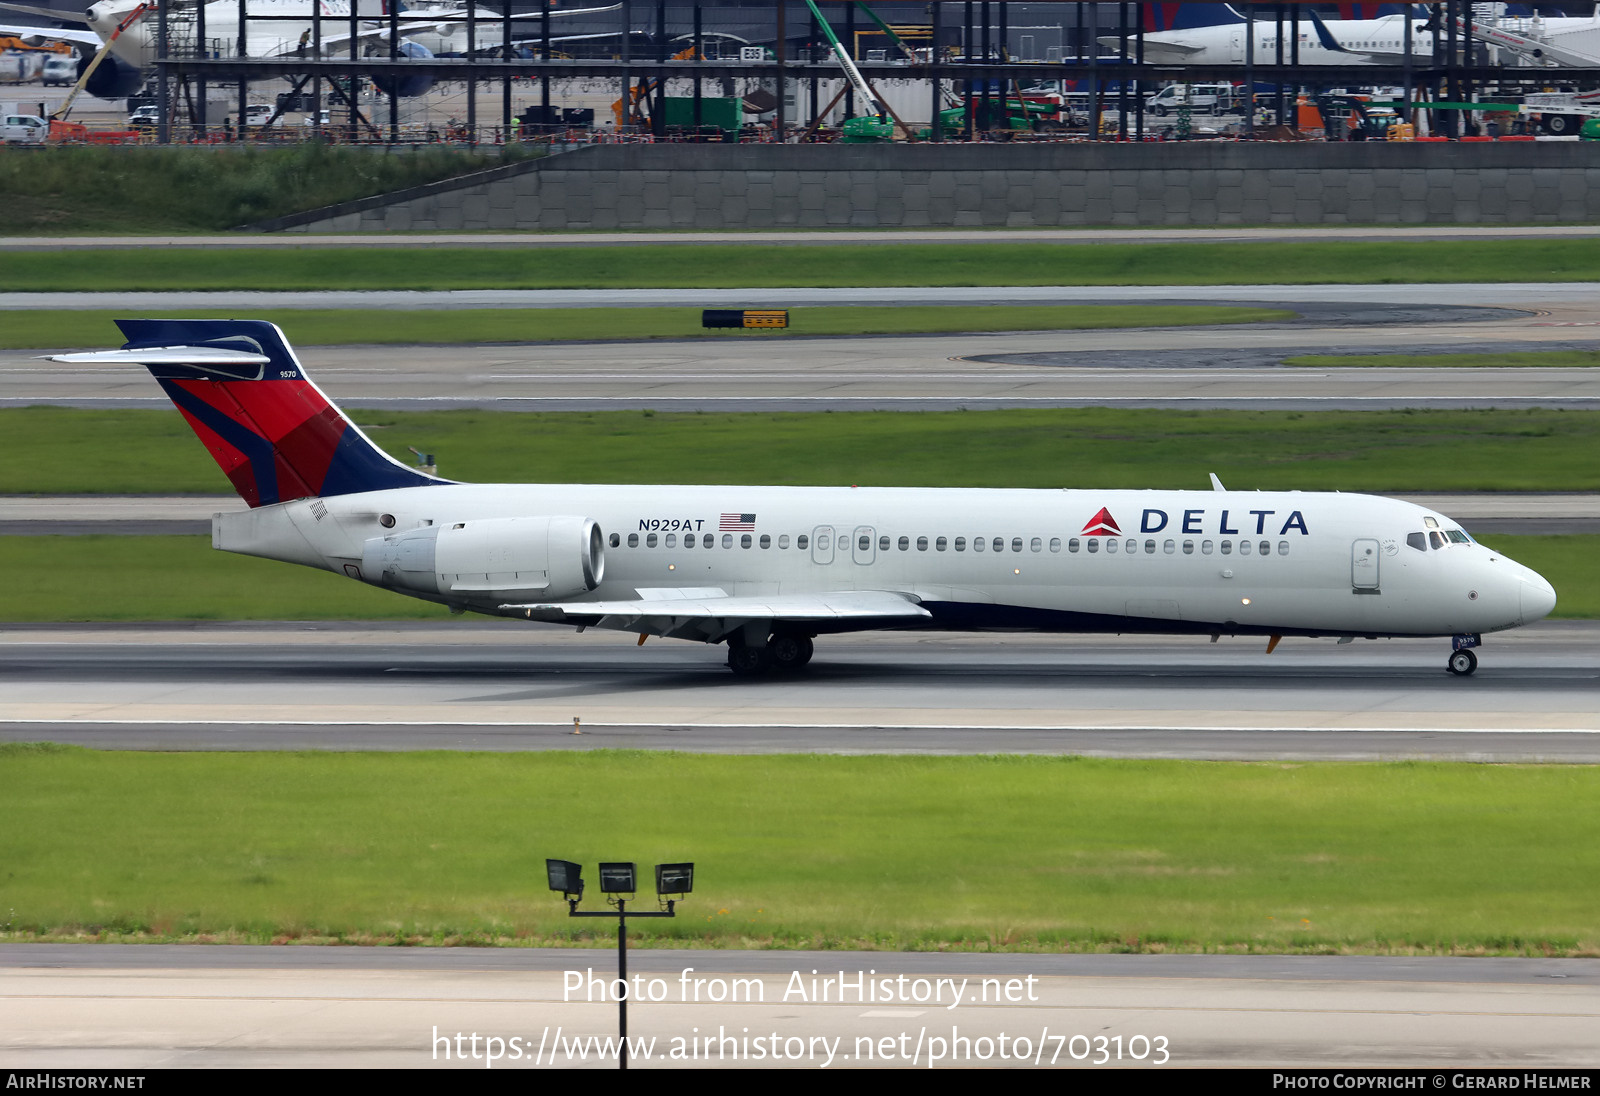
[1216, 484]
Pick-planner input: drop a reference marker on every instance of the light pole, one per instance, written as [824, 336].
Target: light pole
[617, 883]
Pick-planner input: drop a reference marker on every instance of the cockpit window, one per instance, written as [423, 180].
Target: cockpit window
[1418, 541]
[1431, 523]
[1436, 538]
[1457, 536]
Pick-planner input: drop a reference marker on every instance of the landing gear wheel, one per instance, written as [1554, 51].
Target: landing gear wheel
[749, 661]
[790, 652]
[1462, 663]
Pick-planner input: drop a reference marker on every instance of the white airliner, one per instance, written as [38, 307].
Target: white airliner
[1349, 41]
[767, 569]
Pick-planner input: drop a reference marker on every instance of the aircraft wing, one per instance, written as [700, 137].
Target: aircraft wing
[38, 36]
[1156, 51]
[673, 605]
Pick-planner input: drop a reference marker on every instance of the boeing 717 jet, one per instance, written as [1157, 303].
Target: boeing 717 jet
[767, 570]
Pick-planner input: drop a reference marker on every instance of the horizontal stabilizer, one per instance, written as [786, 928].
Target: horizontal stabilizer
[165, 355]
[842, 605]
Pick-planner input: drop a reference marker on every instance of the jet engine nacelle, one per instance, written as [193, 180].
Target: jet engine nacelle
[406, 87]
[491, 559]
[114, 79]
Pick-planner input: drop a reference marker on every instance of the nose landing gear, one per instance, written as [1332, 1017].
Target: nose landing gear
[1463, 660]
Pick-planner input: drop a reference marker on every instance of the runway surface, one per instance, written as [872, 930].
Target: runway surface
[513, 687]
[1205, 367]
[142, 1007]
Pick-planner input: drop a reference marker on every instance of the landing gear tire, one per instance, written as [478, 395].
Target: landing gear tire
[790, 652]
[1462, 663]
[1561, 125]
[746, 661]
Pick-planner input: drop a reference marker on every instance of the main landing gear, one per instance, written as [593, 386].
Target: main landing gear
[1463, 659]
[785, 652]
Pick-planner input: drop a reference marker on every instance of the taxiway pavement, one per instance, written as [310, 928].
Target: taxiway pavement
[142, 1007]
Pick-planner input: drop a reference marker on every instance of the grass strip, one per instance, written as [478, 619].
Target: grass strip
[1532, 359]
[114, 191]
[758, 265]
[983, 853]
[48, 329]
[136, 452]
[110, 578]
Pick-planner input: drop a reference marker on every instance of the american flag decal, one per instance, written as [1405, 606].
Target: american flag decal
[738, 523]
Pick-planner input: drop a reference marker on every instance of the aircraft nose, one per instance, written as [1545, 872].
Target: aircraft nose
[1536, 599]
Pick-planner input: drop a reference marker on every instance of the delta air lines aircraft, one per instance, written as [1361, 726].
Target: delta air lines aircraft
[765, 570]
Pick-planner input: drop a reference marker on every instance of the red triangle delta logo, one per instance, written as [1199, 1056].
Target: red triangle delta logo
[1102, 525]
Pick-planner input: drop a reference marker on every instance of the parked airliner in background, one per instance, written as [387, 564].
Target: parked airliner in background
[767, 569]
[1219, 34]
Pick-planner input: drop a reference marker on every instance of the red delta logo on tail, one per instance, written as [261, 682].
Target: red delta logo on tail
[1102, 525]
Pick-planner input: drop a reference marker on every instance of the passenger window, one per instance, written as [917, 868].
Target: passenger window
[1072, 545]
[1244, 547]
[939, 545]
[766, 541]
[844, 542]
[1149, 547]
[904, 544]
[863, 543]
[672, 540]
[1016, 544]
[961, 544]
[744, 541]
[1092, 544]
[1283, 547]
[616, 540]
[688, 540]
[922, 544]
[1169, 546]
[1265, 547]
[727, 540]
[1055, 544]
[1188, 547]
[1227, 547]
[802, 541]
[999, 544]
[783, 541]
[979, 544]
[1205, 547]
[1036, 545]
[1111, 547]
[650, 541]
[1417, 541]
[883, 544]
[633, 540]
[1132, 546]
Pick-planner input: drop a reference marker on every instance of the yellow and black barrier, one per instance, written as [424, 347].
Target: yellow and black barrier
[744, 317]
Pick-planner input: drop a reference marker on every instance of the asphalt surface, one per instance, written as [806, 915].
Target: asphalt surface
[507, 686]
[143, 1007]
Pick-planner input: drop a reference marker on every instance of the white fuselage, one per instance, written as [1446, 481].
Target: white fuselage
[1369, 41]
[1297, 563]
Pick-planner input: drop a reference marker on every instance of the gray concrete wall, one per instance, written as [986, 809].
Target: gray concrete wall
[893, 186]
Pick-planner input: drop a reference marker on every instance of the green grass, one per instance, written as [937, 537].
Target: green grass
[760, 265]
[87, 190]
[1535, 450]
[46, 329]
[1533, 359]
[987, 853]
[105, 578]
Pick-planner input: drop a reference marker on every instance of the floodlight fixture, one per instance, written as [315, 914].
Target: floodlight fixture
[617, 878]
[674, 879]
[566, 877]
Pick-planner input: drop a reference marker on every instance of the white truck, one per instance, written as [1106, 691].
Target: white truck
[23, 129]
